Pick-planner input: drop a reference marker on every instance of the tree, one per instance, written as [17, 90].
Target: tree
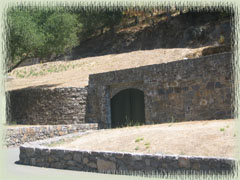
[25, 38]
[94, 21]
[40, 33]
[111, 19]
[61, 31]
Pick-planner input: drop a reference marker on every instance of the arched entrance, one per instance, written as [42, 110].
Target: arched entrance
[127, 108]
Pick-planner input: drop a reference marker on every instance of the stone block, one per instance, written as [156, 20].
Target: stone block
[210, 85]
[77, 157]
[67, 156]
[33, 161]
[218, 85]
[147, 162]
[184, 162]
[161, 91]
[29, 151]
[104, 165]
[196, 166]
[85, 160]
[71, 163]
[45, 152]
[92, 165]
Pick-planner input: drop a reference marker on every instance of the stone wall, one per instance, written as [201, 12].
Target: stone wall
[16, 136]
[36, 106]
[38, 154]
[193, 89]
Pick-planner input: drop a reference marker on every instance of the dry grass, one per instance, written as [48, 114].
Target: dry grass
[200, 138]
[75, 73]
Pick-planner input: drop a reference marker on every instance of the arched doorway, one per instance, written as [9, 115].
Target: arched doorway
[127, 108]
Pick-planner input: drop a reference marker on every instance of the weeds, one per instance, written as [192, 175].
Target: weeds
[48, 69]
[139, 139]
[147, 145]
[136, 148]
[222, 129]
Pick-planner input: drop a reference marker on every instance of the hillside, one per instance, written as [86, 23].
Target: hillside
[163, 39]
[185, 30]
[75, 73]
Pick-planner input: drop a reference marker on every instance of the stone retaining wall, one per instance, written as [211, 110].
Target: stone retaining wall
[19, 135]
[39, 154]
[37, 106]
[185, 90]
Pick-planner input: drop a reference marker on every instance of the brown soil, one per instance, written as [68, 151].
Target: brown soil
[78, 77]
[200, 138]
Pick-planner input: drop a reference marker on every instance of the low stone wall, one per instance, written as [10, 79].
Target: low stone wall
[39, 154]
[16, 136]
[39, 106]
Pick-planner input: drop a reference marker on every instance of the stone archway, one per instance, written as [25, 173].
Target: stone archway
[127, 108]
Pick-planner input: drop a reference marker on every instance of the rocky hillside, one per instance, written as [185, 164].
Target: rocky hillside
[186, 30]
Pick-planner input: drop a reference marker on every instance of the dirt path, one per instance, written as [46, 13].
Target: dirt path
[200, 138]
[75, 73]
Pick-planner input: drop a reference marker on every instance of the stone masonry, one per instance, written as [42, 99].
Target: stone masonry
[15, 136]
[35, 106]
[39, 154]
[185, 90]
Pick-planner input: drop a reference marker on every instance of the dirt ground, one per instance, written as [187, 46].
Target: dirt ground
[78, 76]
[200, 138]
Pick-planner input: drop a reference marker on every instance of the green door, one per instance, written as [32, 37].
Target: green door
[127, 108]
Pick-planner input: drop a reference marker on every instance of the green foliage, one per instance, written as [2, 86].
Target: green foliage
[147, 145]
[25, 39]
[51, 32]
[61, 32]
[136, 148]
[94, 21]
[41, 33]
[139, 139]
